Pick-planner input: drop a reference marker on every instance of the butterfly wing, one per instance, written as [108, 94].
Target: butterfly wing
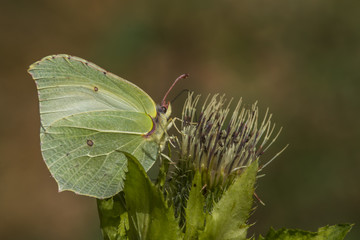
[88, 117]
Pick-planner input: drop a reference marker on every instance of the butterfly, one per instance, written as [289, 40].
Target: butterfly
[89, 117]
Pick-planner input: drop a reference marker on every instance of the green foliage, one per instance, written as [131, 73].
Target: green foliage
[149, 216]
[113, 217]
[229, 216]
[141, 212]
[145, 215]
[335, 232]
[194, 211]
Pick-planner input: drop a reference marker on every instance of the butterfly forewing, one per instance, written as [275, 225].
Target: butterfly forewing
[89, 116]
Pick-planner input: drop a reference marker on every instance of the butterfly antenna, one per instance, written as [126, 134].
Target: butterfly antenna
[183, 76]
[179, 94]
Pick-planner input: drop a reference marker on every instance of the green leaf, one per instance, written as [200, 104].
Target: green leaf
[149, 217]
[113, 217]
[228, 219]
[194, 212]
[335, 232]
[89, 116]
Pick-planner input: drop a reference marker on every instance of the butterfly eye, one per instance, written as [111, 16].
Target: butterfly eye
[161, 109]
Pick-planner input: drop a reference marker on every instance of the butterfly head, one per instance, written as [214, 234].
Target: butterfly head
[164, 109]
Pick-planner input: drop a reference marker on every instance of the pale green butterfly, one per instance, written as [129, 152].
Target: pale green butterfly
[88, 118]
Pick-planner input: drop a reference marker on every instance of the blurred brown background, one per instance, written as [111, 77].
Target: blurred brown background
[300, 58]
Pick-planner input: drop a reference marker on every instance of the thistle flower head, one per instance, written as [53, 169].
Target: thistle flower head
[219, 142]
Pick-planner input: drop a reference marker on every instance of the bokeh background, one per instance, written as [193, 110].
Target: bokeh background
[300, 58]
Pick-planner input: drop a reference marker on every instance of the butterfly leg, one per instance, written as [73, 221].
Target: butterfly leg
[172, 123]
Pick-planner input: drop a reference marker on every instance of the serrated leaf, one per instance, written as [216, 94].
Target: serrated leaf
[149, 217]
[228, 219]
[335, 232]
[195, 216]
[113, 217]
